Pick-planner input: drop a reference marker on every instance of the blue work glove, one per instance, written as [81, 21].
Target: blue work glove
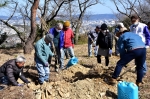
[20, 84]
[110, 51]
[47, 64]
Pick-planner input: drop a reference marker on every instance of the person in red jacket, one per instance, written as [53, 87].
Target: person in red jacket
[68, 39]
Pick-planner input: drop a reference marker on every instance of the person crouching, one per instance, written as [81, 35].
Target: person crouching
[12, 70]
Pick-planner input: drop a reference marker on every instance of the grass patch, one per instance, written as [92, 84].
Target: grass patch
[83, 39]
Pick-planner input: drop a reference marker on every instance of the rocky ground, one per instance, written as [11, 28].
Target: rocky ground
[86, 80]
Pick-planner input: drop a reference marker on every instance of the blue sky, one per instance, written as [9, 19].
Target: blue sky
[96, 9]
[101, 9]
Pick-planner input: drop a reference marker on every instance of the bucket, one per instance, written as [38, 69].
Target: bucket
[72, 61]
[127, 90]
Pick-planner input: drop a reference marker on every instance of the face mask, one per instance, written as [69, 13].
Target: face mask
[136, 23]
[104, 32]
[58, 30]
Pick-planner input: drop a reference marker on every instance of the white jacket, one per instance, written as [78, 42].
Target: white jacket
[139, 29]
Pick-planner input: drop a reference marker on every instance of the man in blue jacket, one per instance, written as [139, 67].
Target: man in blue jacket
[131, 47]
[58, 41]
[42, 54]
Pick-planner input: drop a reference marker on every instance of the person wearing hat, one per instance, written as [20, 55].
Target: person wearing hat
[130, 47]
[92, 37]
[142, 30]
[104, 41]
[42, 54]
[11, 70]
[58, 41]
[68, 39]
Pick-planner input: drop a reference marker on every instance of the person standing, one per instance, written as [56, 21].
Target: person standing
[42, 54]
[92, 37]
[131, 47]
[68, 39]
[140, 29]
[117, 29]
[58, 41]
[104, 41]
[12, 70]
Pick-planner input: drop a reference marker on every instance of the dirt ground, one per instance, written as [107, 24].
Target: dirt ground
[86, 80]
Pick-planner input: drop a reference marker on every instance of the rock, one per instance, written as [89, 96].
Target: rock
[102, 94]
[60, 93]
[67, 95]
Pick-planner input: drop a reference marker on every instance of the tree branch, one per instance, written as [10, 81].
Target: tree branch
[14, 28]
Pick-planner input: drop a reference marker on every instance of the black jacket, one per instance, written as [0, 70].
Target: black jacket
[104, 41]
[12, 72]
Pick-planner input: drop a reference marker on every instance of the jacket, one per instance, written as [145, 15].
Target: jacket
[42, 51]
[142, 30]
[129, 41]
[12, 72]
[92, 35]
[68, 37]
[104, 41]
[61, 37]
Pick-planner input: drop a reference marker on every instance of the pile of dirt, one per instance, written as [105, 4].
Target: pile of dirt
[86, 80]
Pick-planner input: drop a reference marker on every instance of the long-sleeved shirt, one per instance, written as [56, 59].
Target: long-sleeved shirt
[58, 38]
[12, 72]
[68, 37]
[129, 41]
[92, 35]
[142, 30]
[42, 51]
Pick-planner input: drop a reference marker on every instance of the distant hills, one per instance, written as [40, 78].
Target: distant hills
[86, 17]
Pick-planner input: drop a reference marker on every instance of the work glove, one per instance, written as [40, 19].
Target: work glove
[47, 64]
[146, 46]
[110, 51]
[20, 85]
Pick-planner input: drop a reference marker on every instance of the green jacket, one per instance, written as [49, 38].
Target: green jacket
[42, 51]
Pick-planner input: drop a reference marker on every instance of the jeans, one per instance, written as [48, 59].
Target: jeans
[139, 55]
[106, 60]
[4, 80]
[90, 48]
[70, 51]
[43, 71]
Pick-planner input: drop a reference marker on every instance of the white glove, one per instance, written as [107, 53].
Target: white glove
[110, 51]
[146, 46]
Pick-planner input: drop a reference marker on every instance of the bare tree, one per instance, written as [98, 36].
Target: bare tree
[129, 7]
[77, 11]
[27, 14]
[29, 43]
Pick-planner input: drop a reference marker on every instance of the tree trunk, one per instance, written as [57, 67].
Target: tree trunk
[76, 35]
[77, 32]
[29, 43]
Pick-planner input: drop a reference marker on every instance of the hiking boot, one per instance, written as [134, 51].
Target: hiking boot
[138, 84]
[112, 81]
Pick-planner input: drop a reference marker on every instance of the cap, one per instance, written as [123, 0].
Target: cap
[98, 27]
[49, 37]
[66, 24]
[123, 29]
[104, 26]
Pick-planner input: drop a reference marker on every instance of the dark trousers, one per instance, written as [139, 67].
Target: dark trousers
[139, 55]
[106, 60]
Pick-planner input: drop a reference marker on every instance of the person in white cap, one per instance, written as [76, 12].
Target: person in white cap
[42, 54]
[12, 70]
